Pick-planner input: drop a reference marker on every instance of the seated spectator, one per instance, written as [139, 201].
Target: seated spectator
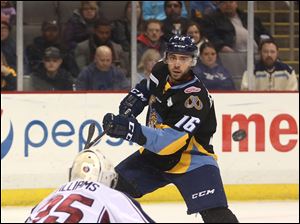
[52, 77]
[50, 38]
[270, 73]
[148, 60]
[194, 31]
[213, 75]
[8, 12]
[174, 24]
[80, 26]
[8, 76]
[227, 28]
[85, 51]
[151, 38]
[8, 45]
[102, 74]
[121, 32]
[155, 10]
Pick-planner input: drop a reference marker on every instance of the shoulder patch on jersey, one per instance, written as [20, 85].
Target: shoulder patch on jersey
[193, 101]
[192, 89]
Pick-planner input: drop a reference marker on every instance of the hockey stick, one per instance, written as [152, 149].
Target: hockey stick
[90, 135]
[104, 132]
[96, 139]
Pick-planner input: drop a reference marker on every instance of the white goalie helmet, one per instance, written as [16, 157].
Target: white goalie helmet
[92, 165]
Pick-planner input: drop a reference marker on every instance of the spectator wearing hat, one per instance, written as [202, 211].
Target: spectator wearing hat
[8, 45]
[50, 38]
[102, 74]
[52, 76]
[80, 26]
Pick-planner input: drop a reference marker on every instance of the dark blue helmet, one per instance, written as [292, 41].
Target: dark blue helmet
[182, 45]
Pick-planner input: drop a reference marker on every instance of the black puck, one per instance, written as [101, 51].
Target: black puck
[239, 135]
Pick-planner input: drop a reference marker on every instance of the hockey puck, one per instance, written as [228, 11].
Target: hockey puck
[239, 135]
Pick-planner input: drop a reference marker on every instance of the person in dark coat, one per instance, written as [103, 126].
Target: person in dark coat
[227, 28]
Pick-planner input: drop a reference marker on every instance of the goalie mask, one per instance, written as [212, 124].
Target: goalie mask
[92, 165]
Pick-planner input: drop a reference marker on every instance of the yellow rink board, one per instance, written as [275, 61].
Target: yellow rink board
[23, 197]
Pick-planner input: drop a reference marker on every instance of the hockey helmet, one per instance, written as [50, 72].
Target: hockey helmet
[92, 165]
[183, 45]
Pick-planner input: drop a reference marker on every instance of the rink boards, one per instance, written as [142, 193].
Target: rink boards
[42, 133]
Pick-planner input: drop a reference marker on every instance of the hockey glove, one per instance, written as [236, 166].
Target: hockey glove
[123, 127]
[133, 104]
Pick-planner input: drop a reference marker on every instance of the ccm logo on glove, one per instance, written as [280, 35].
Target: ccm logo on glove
[131, 131]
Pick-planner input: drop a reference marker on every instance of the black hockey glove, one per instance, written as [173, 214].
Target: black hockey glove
[133, 104]
[121, 126]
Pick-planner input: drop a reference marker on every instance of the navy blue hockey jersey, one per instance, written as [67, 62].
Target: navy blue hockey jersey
[181, 122]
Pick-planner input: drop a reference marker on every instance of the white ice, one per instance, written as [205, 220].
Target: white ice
[247, 212]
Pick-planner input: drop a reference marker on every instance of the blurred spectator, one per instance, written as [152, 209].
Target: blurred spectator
[50, 38]
[8, 45]
[195, 31]
[8, 76]
[52, 76]
[85, 51]
[201, 8]
[270, 73]
[80, 26]
[210, 72]
[155, 10]
[151, 38]
[227, 28]
[8, 12]
[148, 60]
[102, 74]
[121, 32]
[174, 24]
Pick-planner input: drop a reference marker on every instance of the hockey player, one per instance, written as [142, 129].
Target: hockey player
[89, 197]
[177, 141]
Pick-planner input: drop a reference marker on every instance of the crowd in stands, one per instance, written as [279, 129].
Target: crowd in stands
[90, 52]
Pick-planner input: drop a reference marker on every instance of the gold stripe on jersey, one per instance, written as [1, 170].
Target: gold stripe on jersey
[202, 150]
[186, 157]
[173, 147]
[185, 161]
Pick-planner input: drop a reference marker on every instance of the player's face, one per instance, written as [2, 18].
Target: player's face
[179, 66]
[269, 54]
